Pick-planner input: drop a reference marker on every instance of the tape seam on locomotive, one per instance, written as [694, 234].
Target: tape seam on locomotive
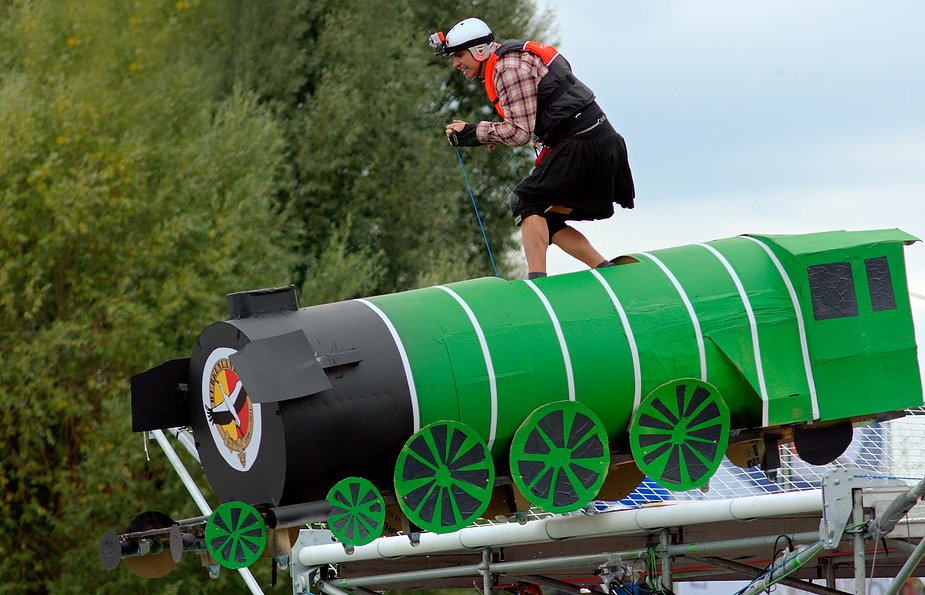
[690, 310]
[753, 325]
[406, 364]
[492, 380]
[804, 346]
[634, 350]
[569, 375]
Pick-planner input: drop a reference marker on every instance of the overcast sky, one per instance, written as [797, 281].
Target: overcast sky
[757, 117]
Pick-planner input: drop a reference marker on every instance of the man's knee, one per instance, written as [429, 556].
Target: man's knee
[533, 222]
[517, 206]
[535, 232]
[522, 211]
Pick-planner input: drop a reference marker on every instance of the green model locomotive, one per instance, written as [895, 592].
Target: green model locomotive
[490, 395]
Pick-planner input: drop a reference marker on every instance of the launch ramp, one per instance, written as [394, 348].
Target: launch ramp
[741, 528]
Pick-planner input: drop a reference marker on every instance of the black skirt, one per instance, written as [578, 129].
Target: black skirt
[587, 172]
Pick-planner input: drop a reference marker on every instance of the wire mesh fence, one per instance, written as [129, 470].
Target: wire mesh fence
[892, 449]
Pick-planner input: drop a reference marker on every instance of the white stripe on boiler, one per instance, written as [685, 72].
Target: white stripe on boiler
[690, 310]
[762, 386]
[415, 410]
[565, 355]
[492, 382]
[634, 351]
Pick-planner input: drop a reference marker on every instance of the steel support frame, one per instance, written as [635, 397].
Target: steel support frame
[198, 498]
[304, 575]
[517, 569]
[525, 570]
[753, 573]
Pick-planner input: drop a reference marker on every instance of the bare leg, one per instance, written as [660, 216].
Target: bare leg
[575, 244]
[535, 234]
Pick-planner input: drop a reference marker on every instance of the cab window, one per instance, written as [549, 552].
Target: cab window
[831, 287]
[881, 284]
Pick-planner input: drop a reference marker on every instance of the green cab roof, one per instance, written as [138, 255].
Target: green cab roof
[827, 241]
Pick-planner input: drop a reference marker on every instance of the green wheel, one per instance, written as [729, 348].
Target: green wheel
[680, 433]
[359, 511]
[559, 456]
[236, 535]
[444, 477]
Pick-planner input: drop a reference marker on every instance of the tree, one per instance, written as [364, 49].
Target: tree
[157, 155]
[370, 145]
[363, 101]
[131, 201]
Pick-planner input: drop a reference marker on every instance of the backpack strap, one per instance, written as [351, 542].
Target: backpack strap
[490, 83]
[547, 53]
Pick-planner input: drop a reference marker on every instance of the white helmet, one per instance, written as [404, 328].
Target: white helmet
[471, 34]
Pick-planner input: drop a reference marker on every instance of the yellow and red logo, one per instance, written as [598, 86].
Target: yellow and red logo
[234, 420]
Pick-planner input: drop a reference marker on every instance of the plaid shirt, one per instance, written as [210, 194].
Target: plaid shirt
[517, 75]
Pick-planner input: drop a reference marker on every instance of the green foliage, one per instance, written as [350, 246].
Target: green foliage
[155, 156]
[339, 273]
[372, 144]
[132, 201]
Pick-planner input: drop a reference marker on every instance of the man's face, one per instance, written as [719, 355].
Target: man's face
[466, 63]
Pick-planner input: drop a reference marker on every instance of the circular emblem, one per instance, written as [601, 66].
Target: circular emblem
[234, 420]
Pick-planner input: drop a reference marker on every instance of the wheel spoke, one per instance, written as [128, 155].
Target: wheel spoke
[359, 511]
[559, 456]
[684, 454]
[457, 489]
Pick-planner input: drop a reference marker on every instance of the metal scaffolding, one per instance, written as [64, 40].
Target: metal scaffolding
[811, 535]
[804, 529]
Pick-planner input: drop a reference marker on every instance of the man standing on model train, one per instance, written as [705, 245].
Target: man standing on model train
[582, 169]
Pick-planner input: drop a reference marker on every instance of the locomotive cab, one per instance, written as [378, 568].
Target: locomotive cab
[855, 308]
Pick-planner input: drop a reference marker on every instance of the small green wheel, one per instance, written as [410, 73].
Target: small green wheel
[680, 433]
[359, 511]
[236, 535]
[444, 477]
[559, 456]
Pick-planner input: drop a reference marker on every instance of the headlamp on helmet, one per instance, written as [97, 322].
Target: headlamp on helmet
[438, 42]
